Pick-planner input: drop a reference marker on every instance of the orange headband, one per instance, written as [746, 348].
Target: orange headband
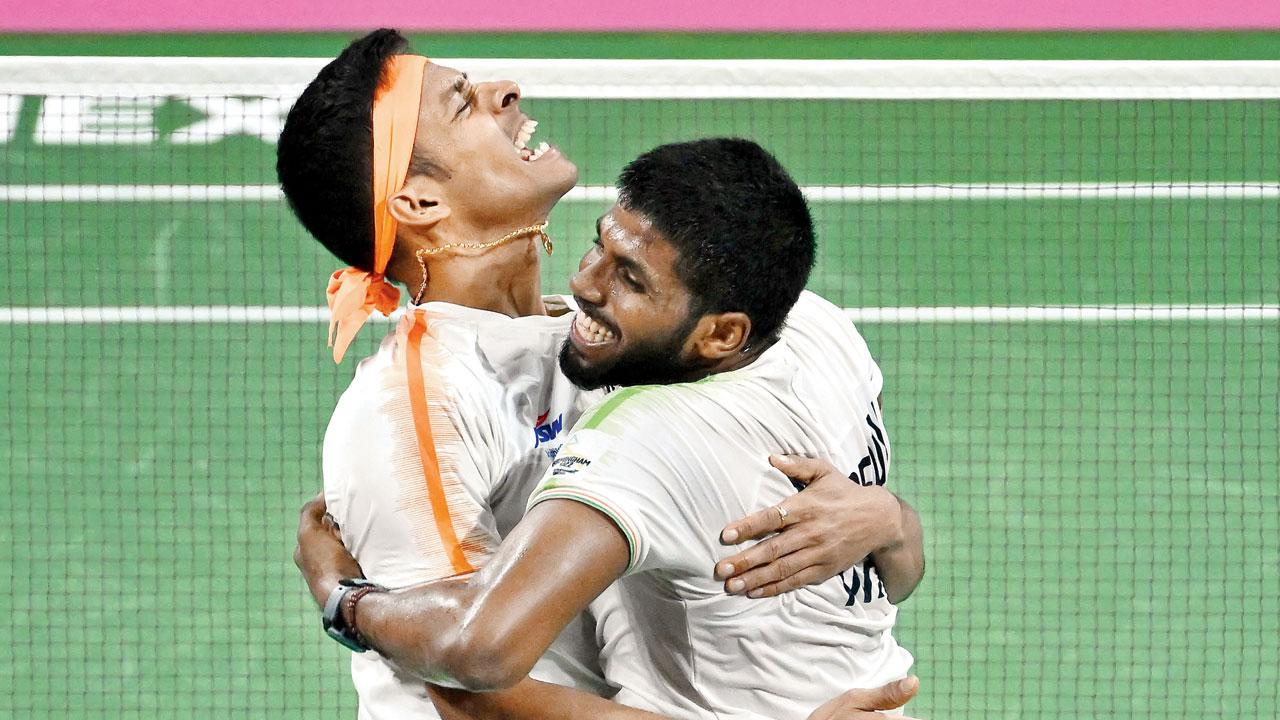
[354, 294]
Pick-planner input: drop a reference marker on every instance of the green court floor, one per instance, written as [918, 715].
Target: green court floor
[1101, 499]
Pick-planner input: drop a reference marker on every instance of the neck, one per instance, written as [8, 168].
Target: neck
[505, 279]
[508, 295]
[733, 362]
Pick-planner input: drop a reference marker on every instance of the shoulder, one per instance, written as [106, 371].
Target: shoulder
[644, 412]
[823, 336]
[657, 430]
[442, 353]
[632, 460]
[520, 352]
[812, 311]
[363, 395]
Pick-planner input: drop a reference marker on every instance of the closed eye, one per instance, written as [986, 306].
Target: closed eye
[468, 93]
[632, 282]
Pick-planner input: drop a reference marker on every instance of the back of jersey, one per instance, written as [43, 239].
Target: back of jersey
[672, 465]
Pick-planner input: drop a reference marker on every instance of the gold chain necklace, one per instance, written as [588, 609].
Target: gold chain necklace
[540, 229]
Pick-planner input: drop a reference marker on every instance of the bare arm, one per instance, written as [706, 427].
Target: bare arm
[575, 552]
[829, 526]
[532, 700]
[483, 631]
[901, 564]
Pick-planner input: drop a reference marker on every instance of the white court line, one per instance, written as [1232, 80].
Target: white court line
[256, 314]
[606, 193]
[79, 315]
[680, 79]
[1078, 313]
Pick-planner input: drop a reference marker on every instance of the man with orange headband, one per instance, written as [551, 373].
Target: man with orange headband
[436, 445]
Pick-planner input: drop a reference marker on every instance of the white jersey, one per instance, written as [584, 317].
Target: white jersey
[430, 457]
[671, 465]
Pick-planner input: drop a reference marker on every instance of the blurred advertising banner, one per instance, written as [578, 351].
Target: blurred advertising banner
[637, 15]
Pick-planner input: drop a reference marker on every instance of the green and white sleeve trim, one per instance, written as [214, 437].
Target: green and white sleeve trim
[611, 511]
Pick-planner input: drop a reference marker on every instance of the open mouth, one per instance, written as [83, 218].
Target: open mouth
[590, 332]
[521, 142]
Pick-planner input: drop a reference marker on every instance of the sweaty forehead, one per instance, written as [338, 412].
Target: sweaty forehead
[634, 237]
[626, 228]
[621, 224]
[439, 85]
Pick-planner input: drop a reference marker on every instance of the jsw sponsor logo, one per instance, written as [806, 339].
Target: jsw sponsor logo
[544, 432]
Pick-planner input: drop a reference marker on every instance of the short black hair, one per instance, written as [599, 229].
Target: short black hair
[738, 221]
[324, 159]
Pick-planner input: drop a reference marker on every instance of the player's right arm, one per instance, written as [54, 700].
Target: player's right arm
[482, 631]
[533, 700]
[485, 631]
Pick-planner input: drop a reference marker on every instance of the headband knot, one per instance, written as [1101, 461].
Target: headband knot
[354, 294]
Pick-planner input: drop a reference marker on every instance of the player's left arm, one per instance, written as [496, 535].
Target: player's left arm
[482, 631]
[828, 527]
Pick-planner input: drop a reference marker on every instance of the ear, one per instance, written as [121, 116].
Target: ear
[419, 204]
[720, 335]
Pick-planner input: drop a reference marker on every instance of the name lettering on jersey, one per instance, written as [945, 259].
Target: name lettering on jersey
[863, 583]
[873, 468]
[545, 432]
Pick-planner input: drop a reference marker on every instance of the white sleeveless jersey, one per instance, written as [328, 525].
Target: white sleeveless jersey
[672, 465]
[498, 409]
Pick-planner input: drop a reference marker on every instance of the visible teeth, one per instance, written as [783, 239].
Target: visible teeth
[542, 148]
[525, 132]
[592, 330]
